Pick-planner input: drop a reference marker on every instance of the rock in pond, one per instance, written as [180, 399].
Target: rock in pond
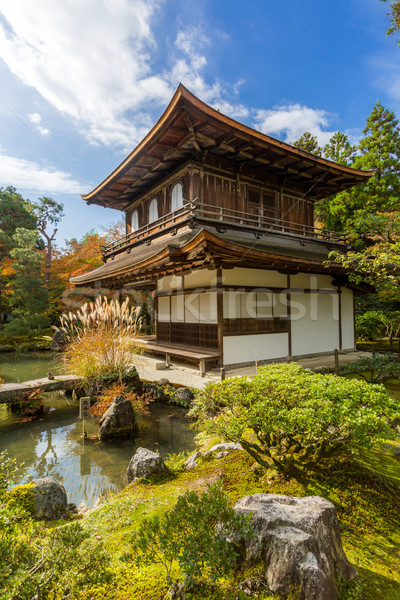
[183, 396]
[299, 542]
[155, 392]
[144, 463]
[132, 380]
[49, 499]
[118, 420]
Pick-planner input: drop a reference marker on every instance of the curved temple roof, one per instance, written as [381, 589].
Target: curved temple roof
[189, 128]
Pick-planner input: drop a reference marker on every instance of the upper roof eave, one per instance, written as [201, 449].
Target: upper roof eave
[183, 96]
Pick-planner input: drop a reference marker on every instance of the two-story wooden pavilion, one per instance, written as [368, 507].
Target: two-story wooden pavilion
[220, 225]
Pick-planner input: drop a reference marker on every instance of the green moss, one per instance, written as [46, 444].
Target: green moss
[20, 498]
[364, 492]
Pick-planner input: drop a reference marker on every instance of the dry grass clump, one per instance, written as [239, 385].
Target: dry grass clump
[101, 338]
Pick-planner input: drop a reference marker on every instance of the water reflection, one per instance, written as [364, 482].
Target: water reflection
[54, 446]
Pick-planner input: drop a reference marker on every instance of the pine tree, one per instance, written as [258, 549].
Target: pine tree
[378, 150]
[394, 14]
[29, 300]
[15, 212]
[340, 150]
[308, 143]
[48, 212]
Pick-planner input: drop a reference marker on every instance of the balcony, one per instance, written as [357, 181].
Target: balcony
[196, 213]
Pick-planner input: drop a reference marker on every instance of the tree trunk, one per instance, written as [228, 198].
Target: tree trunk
[48, 263]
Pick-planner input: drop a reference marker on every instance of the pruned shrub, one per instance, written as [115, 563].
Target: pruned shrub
[374, 368]
[288, 416]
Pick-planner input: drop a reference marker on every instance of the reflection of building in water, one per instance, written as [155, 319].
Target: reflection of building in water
[220, 227]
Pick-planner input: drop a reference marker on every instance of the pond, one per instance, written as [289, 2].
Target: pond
[54, 446]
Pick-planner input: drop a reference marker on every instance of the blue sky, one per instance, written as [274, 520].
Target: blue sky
[82, 81]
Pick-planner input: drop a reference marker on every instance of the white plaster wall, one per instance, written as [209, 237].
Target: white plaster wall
[253, 277]
[208, 307]
[249, 348]
[163, 313]
[231, 304]
[348, 341]
[307, 281]
[192, 308]
[178, 308]
[249, 305]
[172, 282]
[314, 322]
[200, 278]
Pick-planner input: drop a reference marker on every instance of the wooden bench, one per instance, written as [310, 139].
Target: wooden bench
[192, 355]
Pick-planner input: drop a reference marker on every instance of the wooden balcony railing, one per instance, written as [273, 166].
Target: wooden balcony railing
[223, 219]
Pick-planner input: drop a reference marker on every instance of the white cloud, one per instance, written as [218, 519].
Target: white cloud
[292, 120]
[27, 175]
[91, 60]
[189, 71]
[94, 62]
[36, 119]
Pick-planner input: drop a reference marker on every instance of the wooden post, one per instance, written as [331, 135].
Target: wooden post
[257, 363]
[202, 367]
[337, 367]
[167, 360]
[223, 375]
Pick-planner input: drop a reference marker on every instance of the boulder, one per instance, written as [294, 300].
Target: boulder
[118, 420]
[220, 451]
[163, 382]
[49, 499]
[191, 462]
[155, 392]
[183, 396]
[132, 380]
[144, 463]
[298, 540]
[223, 449]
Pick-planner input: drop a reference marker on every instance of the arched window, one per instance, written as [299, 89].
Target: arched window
[135, 221]
[176, 197]
[153, 211]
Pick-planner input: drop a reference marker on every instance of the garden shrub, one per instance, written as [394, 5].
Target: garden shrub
[374, 368]
[369, 325]
[194, 536]
[288, 416]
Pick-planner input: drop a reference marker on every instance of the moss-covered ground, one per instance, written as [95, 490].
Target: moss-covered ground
[365, 490]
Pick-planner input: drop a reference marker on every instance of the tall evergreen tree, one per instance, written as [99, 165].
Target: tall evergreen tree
[308, 143]
[340, 150]
[29, 300]
[15, 212]
[378, 150]
[394, 14]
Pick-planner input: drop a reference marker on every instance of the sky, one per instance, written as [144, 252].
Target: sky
[82, 81]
